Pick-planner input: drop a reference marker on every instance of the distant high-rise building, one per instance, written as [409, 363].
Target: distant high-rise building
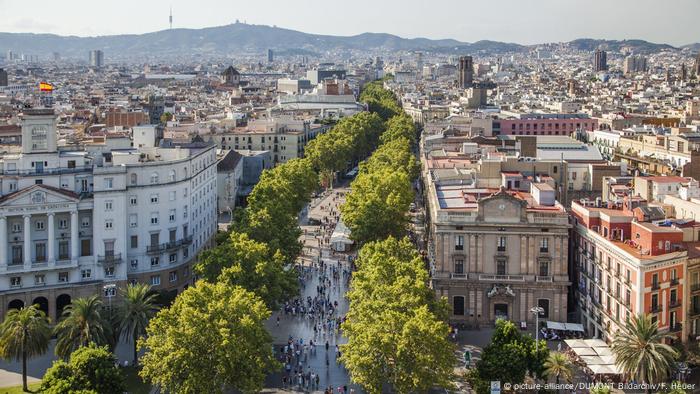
[466, 72]
[270, 56]
[696, 67]
[56, 56]
[634, 64]
[600, 60]
[684, 72]
[419, 63]
[10, 55]
[97, 58]
[571, 87]
[170, 18]
[3, 77]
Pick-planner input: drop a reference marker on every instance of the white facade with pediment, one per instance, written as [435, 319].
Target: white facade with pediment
[72, 221]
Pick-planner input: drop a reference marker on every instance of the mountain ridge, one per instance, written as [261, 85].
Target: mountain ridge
[249, 39]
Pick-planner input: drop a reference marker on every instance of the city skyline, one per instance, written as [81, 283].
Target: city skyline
[520, 23]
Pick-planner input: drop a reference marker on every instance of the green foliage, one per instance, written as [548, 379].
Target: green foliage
[640, 352]
[91, 369]
[377, 204]
[83, 322]
[558, 366]
[241, 261]
[396, 333]
[400, 126]
[280, 232]
[25, 333]
[510, 355]
[394, 154]
[212, 339]
[139, 306]
[166, 117]
[380, 101]
[284, 189]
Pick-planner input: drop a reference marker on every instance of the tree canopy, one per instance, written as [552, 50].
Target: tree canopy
[210, 340]
[91, 369]
[244, 262]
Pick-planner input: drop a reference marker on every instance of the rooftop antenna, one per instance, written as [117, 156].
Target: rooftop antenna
[171, 17]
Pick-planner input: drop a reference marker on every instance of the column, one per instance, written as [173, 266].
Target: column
[3, 241]
[74, 244]
[51, 244]
[27, 241]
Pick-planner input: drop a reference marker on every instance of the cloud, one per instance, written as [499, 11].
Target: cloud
[29, 25]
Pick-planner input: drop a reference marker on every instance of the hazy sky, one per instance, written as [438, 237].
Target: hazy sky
[676, 22]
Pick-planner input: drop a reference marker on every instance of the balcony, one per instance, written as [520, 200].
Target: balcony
[694, 310]
[655, 286]
[540, 278]
[503, 278]
[458, 276]
[501, 249]
[655, 309]
[187, 240]
[675, 303]
[110, 258]
[674, 282]
[676, 327]
[172, 245]
[155, 249]
[459, 247]
[695, 287]
[544, 250]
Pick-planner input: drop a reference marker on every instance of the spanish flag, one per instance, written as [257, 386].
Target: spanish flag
[45, 87]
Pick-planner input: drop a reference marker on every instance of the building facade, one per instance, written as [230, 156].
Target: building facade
[73, 221]
[497, 253]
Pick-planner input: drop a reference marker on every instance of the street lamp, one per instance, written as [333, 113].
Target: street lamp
[536, 310]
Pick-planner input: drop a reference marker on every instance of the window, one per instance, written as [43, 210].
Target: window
[184, 192]
[40, 251]
[155, 261]
[184, 212]
[171, 195]
[172, 258]
[155, 280]
[109, 224]
[63, 250]
[185, 252]
[40, 225]
[133, 220]
[16, 228]
[154, 218]
[108, 183]
[86, 273]
[186, 271]
[39, 280]
[17, 254]
[673, 296]
[501, 267]
[544, 268]
[134, 242]
[63, 277]
[134, 263]
[85, 247]
[172, 276]
[62, 223]
[132, 200]
[458, 305]
[459, 242]
[109, 272]
[171, 176]
[108, 205]
[154, 178]
[459, 266]
[171, 215]
[16, 281]
[134, 179]
[544, 245]
[501, 244]
[154, 198]
[544, 304]
[85, 222]
[654, 301]
[655, 281]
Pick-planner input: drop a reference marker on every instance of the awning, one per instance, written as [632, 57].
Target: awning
[574, 327]
[575, 343]
[553, 325]
[603, 351]
[584, 351]
[595, 343]
[603, 369]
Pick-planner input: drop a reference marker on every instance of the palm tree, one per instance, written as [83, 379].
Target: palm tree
[82, 323]
[640, 352]
[139, 307]
[558, 365]
[25, 333]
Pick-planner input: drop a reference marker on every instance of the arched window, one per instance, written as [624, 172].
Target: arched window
[134, 179]
[171, 176]
[154, 178]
